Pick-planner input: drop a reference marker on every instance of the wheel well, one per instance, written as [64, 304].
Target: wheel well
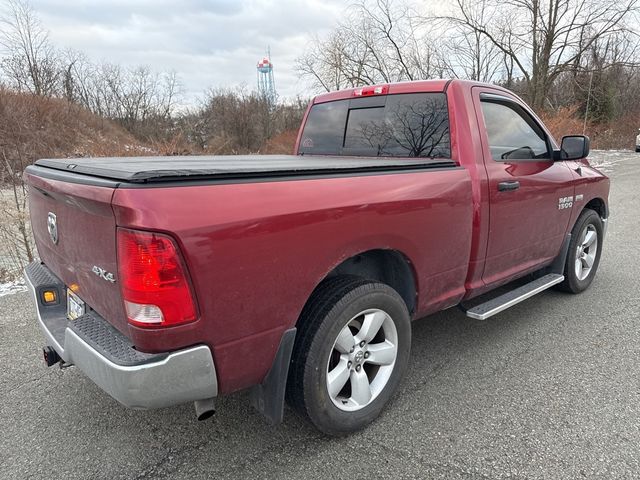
[598, 205]
[386, 266]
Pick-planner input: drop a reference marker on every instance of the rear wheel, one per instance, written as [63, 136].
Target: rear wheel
[584, 253]
[351, 352]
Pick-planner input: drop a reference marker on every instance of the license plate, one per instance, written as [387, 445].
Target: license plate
[75, 307]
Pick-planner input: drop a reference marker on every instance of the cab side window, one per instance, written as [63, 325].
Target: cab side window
[512, 133]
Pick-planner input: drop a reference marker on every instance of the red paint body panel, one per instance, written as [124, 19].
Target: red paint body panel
[526, 227]
[256, 250]
[466, 145]
[589, 182]
[87, 237]
[394, 88]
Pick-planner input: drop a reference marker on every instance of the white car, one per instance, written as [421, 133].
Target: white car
[638, 142]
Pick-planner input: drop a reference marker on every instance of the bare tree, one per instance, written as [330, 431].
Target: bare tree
[605, 82]
[380, 41]
[543, 39]
[341, 60]
[141, 100]
[467, 53]
[15, 216]
[31, 61]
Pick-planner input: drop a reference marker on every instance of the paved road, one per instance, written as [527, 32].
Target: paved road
[548, 389]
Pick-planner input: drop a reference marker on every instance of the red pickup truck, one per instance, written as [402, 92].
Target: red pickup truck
[178, 279]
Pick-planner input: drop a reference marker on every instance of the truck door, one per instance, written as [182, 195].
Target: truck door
[530, 195]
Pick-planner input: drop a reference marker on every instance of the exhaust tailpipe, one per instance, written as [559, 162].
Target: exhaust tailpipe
[205, 408]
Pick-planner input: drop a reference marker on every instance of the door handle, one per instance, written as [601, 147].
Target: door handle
[507, 186]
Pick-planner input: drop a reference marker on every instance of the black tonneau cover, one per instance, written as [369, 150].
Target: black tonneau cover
[159, 169]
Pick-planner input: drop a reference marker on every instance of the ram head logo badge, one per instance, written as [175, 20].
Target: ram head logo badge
[52, 227]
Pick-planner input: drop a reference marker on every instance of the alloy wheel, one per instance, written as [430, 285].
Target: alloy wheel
[586, 251]
[362, 359]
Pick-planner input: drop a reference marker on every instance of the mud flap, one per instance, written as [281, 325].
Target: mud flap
[268, 397]
[558, 263]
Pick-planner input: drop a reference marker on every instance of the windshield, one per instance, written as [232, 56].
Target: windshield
[403, 125]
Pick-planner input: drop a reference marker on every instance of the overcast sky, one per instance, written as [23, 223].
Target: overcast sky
[207, 42]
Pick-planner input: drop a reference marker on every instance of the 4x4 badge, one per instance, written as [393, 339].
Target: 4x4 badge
[103, 274]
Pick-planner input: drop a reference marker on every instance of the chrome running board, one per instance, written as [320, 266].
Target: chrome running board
[509, 299]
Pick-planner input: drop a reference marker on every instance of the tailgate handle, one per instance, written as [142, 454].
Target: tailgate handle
[507, 186]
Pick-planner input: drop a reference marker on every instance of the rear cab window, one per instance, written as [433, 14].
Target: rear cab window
[399, 125]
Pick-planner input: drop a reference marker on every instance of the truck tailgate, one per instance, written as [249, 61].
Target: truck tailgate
[85, 243]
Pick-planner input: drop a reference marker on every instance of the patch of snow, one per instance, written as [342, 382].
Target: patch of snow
[138, 148]
[606, 160]
[10, 288]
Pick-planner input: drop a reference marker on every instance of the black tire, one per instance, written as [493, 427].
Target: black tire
[331, 307]
[572, 283]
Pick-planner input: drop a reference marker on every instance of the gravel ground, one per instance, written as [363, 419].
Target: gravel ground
[547, 389]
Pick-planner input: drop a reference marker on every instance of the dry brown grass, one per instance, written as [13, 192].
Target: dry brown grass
[562, 122]
[282, 143]
[176, 145]
[614, 135]
[618, 134]
[33, 127]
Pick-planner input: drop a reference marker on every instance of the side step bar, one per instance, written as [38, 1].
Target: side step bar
[509, 299]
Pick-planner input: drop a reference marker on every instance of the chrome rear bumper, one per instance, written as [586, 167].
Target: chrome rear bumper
[135, 379]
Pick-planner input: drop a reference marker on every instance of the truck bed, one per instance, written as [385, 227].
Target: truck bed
[232, 167]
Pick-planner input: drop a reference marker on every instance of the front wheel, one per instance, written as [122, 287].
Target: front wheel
[584, 253]
[352, 350]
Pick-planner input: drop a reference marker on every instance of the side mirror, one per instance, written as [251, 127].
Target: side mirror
[573, 147]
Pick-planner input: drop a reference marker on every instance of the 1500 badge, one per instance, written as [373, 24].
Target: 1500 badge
[565, 202]
[103, 274]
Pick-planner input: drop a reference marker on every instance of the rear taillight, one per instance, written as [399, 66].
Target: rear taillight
[153, 279]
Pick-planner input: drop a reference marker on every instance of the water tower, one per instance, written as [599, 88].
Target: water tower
[266, 83]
